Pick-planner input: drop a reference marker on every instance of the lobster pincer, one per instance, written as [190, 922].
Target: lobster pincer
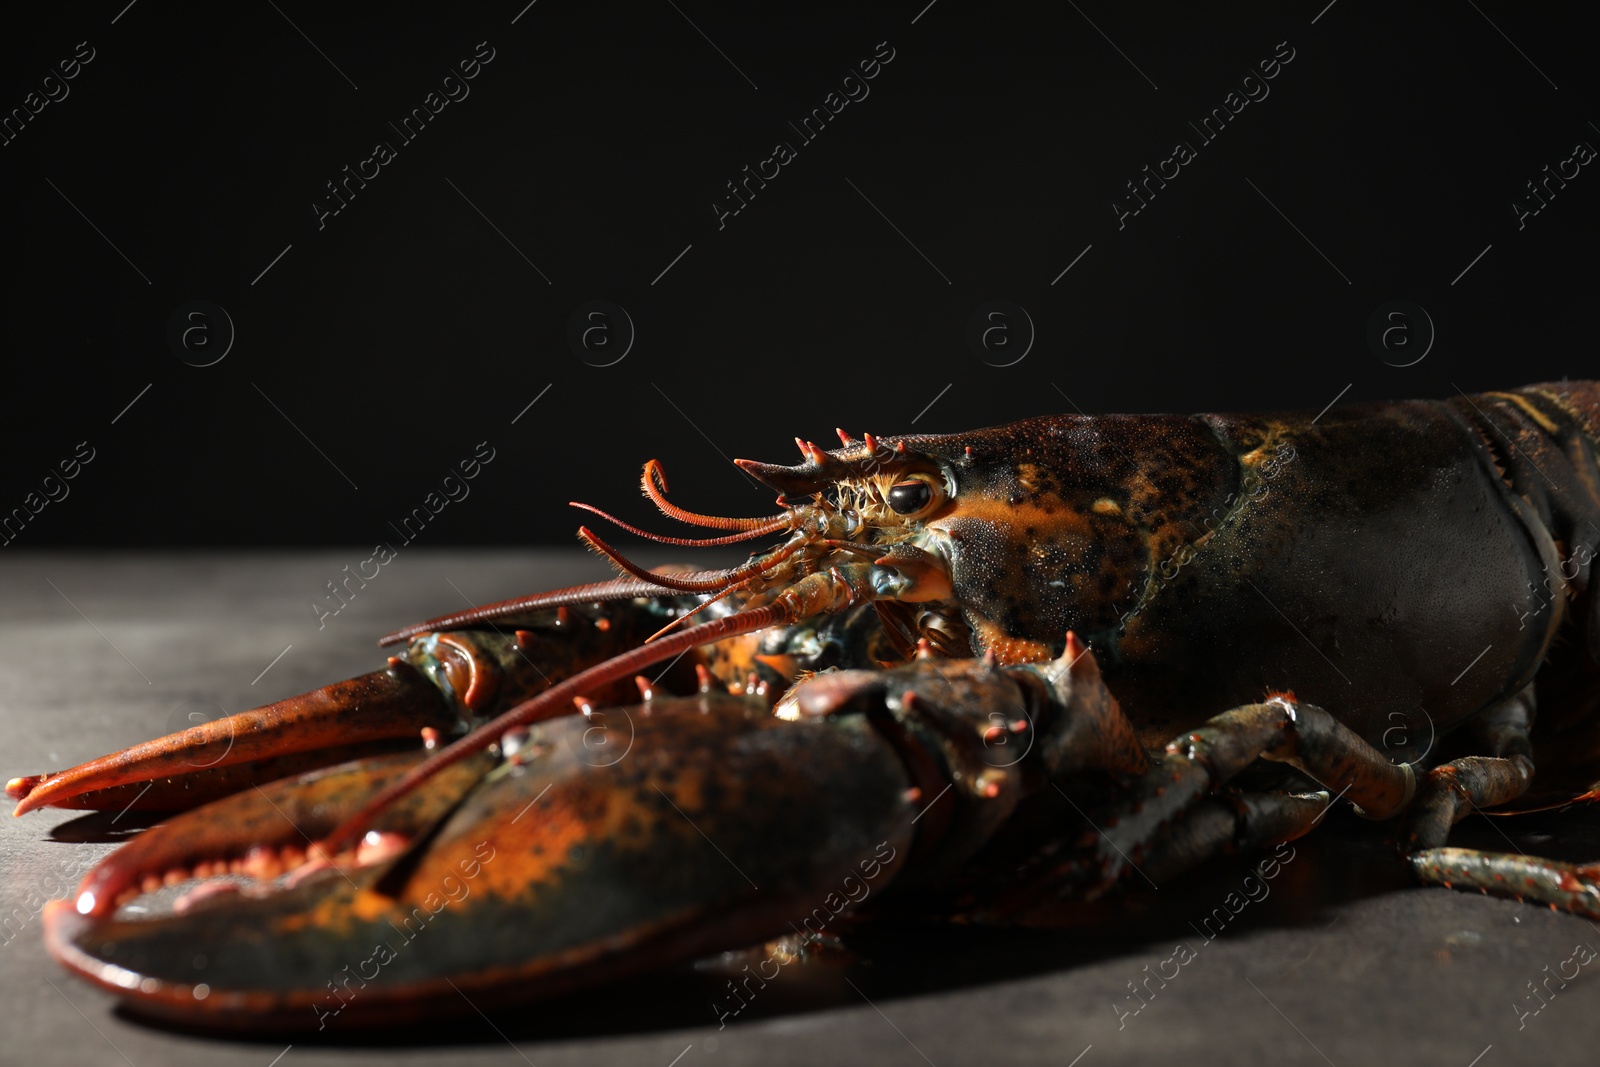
[442, 682]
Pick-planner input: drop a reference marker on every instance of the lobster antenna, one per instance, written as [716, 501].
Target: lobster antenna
[554, 702]
[645, 584]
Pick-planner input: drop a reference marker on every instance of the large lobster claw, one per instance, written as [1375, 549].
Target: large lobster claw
[719, 827]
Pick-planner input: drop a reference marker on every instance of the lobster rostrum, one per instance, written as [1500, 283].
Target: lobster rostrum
[1146, 615]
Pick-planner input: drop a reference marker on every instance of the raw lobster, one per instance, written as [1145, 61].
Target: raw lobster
[952, 629]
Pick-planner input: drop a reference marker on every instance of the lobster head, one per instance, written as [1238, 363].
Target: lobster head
[1001, 540]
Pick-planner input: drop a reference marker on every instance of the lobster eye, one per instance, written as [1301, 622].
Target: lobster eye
[915, 496]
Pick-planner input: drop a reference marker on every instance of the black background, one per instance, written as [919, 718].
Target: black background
[408, 329]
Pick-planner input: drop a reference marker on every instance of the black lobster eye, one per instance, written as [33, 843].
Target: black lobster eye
[911, 497]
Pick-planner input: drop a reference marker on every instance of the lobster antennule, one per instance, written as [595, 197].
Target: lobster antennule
[777, 525]
[654, 476]
[556, 701]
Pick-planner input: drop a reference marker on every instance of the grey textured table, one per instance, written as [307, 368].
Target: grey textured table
[1341, 961]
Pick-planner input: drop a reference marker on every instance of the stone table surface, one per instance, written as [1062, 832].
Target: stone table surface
[1338, 959]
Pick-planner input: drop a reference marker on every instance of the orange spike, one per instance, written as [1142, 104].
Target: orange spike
[703, 677]
[844, 438]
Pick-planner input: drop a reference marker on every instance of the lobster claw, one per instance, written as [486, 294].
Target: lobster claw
[442, 682]
[695, 825]
[372, 713]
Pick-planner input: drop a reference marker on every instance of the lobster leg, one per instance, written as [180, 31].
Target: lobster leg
[1455, 789]
[1170, 822]
[1200, 762]
[1225, 825]
[1575, 887]
[1451, 791]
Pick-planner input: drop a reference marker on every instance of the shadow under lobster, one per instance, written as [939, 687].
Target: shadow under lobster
[892, 952]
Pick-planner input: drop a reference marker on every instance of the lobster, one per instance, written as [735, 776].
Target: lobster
[1200, 631]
